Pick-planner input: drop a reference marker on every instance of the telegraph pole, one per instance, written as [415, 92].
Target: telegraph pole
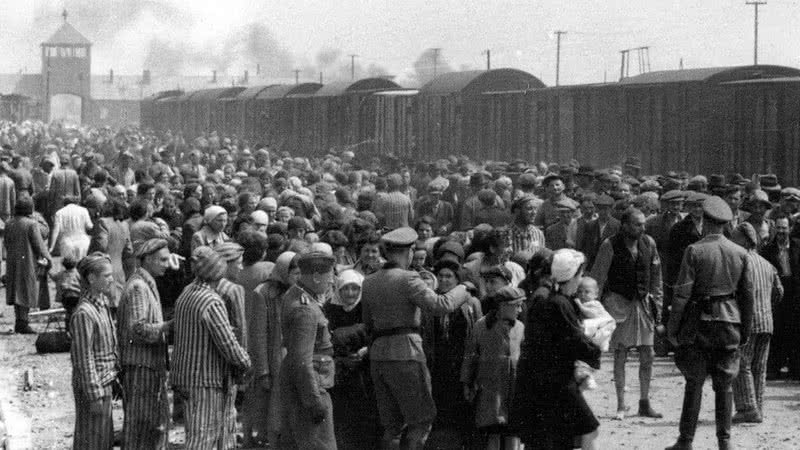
[755, 4]
[488, 59]
[558, 53]
[435, 59]
[353, 66]
[296, 76]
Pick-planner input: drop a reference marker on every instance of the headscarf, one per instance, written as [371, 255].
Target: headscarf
[207, 264]
[212, 212]
[280, 272]
[92, 263]
[148, 247]
[348, 276]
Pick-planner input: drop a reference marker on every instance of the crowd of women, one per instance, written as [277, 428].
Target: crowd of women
[96, 211]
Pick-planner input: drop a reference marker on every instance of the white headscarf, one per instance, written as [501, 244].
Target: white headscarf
[348, 276]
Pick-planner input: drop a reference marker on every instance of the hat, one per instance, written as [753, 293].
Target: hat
[316, 262]
[448, 263]
[673, 196]
[448, 248]
[212, 212]
[759, 196]
[716, 209]
[477, 179]
[551, 177]
[259, 217]
[604, 200]
[399, 238]
[790, 193]
[650, 186]
[738, 179]
[509, 294]
[522, 200]
[322, 247]
[696, 197]
[487, 197]
[566, 263]
[148, 247]
[716, 180]
[434, 187]
[229, 251]
[498, 271]
[527, 180]
[748, 231]
[207, 264]
[633, 162]
[565, 204]
[585, 171]
[769, 182]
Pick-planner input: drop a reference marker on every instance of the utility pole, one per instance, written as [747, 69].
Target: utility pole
[320, 78]
[488, 59]
[558, 53]
[353, 66]
[296, 76]
[435, 59]
[755, 4]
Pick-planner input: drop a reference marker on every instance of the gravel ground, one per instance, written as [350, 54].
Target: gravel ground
[50, 405]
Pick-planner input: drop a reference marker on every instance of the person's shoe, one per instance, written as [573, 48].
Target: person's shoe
[680, 445]
[620, 415]
[24, 329]
[645, 410]
[724, 444]
[747, 417]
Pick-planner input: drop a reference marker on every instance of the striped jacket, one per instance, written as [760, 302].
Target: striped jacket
[206, 352]
[766, 287]
[233, 296]
[142, 330]
[94, 344]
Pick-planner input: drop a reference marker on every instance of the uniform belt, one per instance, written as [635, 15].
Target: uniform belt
[395, 332]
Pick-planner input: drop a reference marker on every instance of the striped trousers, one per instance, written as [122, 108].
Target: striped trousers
[748, 387]
[146, 408]
[206, 414]
[92, 431]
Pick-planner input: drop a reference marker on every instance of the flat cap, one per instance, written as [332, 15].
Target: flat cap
[791, 193]
[148, 247]
[527, 180]
[604, 200]
[565, 204]
[450, 248]
[696, 197]
[673, 196]
[401, 237]
[497, 271]
[716, 209]
[509, 294]
[552, 177]
[315, 262]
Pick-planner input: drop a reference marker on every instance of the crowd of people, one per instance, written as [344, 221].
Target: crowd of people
[256, 296]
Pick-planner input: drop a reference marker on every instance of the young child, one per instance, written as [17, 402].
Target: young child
[68, 286]
[489, 369]
[598, 325]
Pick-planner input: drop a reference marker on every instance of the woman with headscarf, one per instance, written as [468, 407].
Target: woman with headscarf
[212, 233]
[94, 355]
[450, 334]
[267, 362]
[353, 402]
[25, 252]
[548, 409]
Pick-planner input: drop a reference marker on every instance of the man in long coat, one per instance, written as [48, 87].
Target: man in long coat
[24, 247]
[143, 351]
[63, 182]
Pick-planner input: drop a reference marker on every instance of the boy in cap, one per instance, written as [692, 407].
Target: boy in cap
[556, 234]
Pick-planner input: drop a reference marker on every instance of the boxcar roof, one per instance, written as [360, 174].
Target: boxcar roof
[712, 75]
[162, 95]
[213, 94]
[285, 90]
[252, 92]
[401, 92]
[364, 84]
[480, 81]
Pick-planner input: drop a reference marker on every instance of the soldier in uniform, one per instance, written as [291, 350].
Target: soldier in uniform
[393, 299]
[711, 316]
[308, 368]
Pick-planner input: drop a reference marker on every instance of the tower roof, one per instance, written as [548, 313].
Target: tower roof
[67, 35]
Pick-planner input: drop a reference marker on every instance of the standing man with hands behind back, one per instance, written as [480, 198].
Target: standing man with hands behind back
[393, 299]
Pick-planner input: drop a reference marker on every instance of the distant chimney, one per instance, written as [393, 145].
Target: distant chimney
[258, 69]
[213, 76]
[111, 76]
[146, 76]
[246, 77]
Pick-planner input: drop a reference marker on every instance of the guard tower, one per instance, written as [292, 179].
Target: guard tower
[66, 75]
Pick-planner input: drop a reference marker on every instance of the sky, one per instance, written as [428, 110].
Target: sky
[194, 37]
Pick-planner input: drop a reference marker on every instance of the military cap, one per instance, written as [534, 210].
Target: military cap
[696, 197]
[498, 271]
[791, 193]
[315, 262]
[673, 196]
[565, 204]
[716, 209]
[527, 180]
[148, 247]
[509, 294]
[604, 200]
[399, 238]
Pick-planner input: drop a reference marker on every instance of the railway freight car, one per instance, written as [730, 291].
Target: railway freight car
[395, 121]
[152, 115]
[341, 116]
[714, 120]
[449, 109]
[271, 116]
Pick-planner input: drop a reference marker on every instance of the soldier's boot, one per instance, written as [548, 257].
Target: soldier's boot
[723, 405]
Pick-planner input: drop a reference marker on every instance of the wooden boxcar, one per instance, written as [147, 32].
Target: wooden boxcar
[449, 109]
[239, 120]
[341, 117]
[152, 110]
[715, 120]
[272, 113]
[395, 117]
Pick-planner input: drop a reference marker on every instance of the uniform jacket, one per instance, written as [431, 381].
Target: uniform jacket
[142, 331]
[712, 267]
[394, 298]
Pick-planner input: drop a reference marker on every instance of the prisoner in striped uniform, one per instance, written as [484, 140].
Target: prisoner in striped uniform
[93, 355]
[748, 387]
[143, 350]
[207, 355]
